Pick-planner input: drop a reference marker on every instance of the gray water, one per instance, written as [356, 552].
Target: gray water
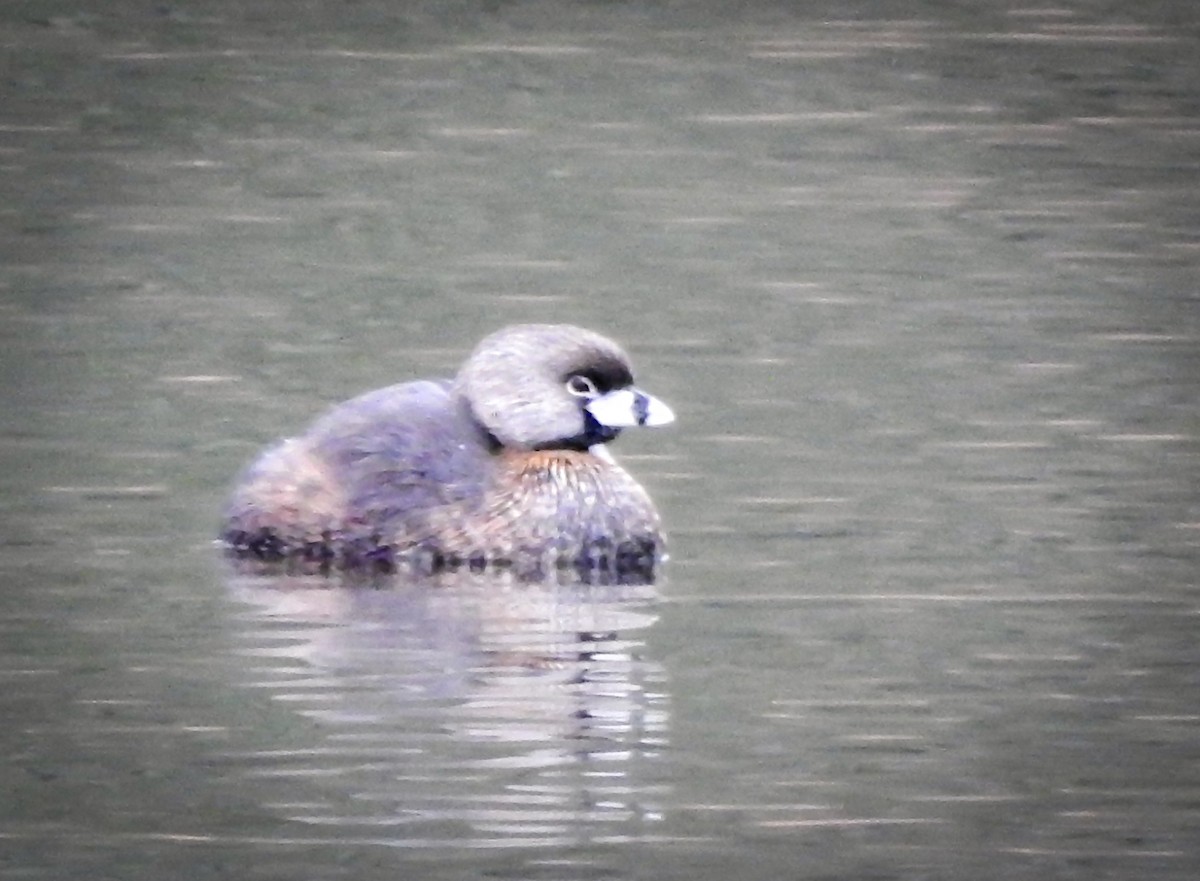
[921, 282]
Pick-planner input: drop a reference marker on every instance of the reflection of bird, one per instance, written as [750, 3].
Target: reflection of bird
[503, 466]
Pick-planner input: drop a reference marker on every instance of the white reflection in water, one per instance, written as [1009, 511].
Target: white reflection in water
[508, 713]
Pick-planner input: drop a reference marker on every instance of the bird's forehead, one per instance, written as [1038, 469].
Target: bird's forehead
[607, 369]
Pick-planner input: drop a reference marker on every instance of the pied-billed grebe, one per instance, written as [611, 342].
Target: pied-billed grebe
[503, 466]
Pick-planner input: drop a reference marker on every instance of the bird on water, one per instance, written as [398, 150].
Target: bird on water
[504, 466]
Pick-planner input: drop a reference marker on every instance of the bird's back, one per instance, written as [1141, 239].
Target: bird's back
[372, 467]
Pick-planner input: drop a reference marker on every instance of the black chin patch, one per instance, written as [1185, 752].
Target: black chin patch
[593, 433]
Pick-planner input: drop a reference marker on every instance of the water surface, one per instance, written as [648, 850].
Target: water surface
[919, 281]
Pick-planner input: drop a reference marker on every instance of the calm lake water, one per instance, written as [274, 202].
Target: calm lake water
[922, 282]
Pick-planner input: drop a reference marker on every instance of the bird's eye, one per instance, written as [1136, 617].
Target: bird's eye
[581, 386]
